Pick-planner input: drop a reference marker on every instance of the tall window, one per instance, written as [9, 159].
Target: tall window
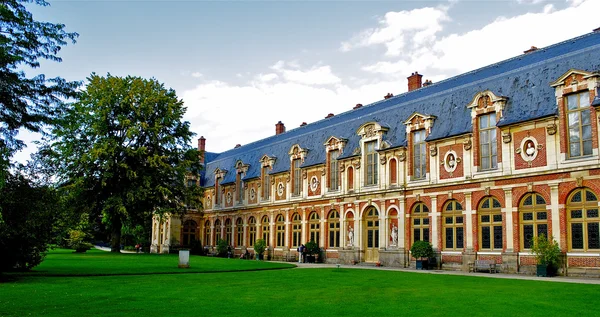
[280, 231]
[239, 230]
[453, 226]
[350, 178]
[314, 227]
[251, 231]
[393, 171]
[297, 177]
[371, 158]
[240, 188]
[334, 174]
[296, 230]
[334, 229]
[217, 231]
[534, 219]
[228, 231]
[487, 142]
[189, 232]
[265, 229]
[207, 233]
[419, 155]
[266, 184]
[218, 192]
[490, 224]
[420, 222]
[580, 124]
[583, 219]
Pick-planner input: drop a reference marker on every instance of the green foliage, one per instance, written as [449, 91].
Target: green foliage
[78, 240]
[222, 248]
[27, 102]
[546, 250]
[421, 249]
[260, 245]
[28, 214]
[125, 146]
[312, 248]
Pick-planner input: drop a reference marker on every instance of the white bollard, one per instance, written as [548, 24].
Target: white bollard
[184, 258]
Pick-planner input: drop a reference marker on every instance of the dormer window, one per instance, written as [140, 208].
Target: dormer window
[266, 164]
[297, 184]
[488, 145]
[419, 155]
[371, 159]
[579, 124]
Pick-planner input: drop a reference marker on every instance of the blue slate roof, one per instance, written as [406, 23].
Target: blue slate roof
[524, 80]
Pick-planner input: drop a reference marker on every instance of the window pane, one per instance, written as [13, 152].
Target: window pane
[587, 147]
[449, 220]
[527, 216]
[572, 102]
[576, 214]
[586, 132]
[496, 203]
[576, 197]
[417, 221]
[459, 219]
[458, 207]
[459, 238]
[528, 201]
[449, 238]
[575, 149]
[485, 218]
[593, 235]
[497, 218]
[497, 237]
[589, 196]
[540, 200]
[592, 213]
[492, 119]
[417, 234]
[542, 229]
[527, 236]
[425, 209]
[486, 204]
[542, 215]
[425, 221]
[577, 236]
[485, 238]
[425, 234]
[584, 99]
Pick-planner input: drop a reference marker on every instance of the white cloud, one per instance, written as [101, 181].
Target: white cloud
[228, 114]
[530, 1]
[197, 74]
[402, 30]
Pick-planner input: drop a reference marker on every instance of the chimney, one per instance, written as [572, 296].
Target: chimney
[303, 124]
[201, 147]
[358, 105]
[279, 128]
[596, 30]
[237, 146]
[414, 81]
[329, 115]
[388, 96]
[532, 49]
[427, 83]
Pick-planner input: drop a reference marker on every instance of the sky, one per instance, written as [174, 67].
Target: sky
[242, 66]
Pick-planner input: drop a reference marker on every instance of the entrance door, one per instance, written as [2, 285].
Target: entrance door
[371, 235]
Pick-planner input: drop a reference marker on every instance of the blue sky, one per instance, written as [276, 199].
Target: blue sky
[241, 66]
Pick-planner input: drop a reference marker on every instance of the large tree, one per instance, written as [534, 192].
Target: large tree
[27, 102]
[124, 146]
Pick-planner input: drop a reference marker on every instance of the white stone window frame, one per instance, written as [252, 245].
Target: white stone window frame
[370, 131]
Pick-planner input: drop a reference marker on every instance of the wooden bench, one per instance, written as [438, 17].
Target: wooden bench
[483, 265]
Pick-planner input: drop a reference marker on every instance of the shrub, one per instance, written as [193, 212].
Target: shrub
[546, 250]
[312, 248]
[222, 248]
[260, 246]
[77, 240]
[196, 248]
[421, 249]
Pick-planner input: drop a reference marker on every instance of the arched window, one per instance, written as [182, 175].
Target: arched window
[420, 222]
[453, 226]
[490, 224]
[350, 178]
[228, 231]
[251, 231]
[280, 230]
[207, 232]
[239, 230]
[217, 231]
[393, 172]
[265, 229]
[533, 219]
[296, 230]
[314, 227]
[582, 216]
[189, 232]
[334, 229]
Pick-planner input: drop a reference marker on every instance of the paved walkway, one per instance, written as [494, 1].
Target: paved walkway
[559, 279]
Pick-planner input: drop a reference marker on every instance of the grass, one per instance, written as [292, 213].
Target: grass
[291, 292]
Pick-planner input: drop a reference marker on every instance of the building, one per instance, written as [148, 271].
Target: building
[476, 164]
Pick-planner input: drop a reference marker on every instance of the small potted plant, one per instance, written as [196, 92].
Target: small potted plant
[547, 255]
[259, 248]
[421, 251]
[312, 249]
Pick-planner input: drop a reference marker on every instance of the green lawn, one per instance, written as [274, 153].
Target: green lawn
[288, 292]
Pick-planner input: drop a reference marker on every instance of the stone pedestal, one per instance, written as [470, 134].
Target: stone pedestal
[468, 257]
[349, 256]
[164, 248]
[153, 248]
[509, 262]
[393, 257]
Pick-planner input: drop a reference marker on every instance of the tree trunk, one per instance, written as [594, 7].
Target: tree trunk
[115, 236]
